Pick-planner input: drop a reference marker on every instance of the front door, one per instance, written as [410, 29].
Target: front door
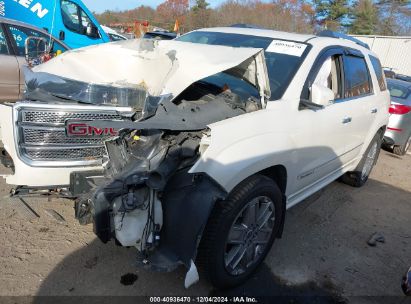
[322, 140]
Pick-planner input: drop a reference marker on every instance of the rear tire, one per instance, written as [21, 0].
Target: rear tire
[230, 232]
[359, 176]
[402, 150]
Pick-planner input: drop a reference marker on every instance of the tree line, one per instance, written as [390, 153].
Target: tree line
[366, 17]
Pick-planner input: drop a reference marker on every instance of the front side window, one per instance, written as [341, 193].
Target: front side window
[74, 18]
[357, 77]
[376, 64]
[70, 14]
[281, 67]
[329, 76]
[4, 49]
[85, 21]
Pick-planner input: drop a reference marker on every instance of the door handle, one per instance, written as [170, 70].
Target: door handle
[373, 111]
[346, 120]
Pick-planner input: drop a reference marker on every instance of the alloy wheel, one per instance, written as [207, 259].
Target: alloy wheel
[249, 235]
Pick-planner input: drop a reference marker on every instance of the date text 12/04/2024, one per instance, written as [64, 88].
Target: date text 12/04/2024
[203, 300]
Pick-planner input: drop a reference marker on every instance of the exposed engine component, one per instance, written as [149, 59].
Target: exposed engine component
[148, 165]
[138, 226]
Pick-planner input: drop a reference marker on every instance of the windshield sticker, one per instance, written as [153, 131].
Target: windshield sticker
[286, 47]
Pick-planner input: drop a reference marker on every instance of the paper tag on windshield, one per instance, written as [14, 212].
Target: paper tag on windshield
[286, 47]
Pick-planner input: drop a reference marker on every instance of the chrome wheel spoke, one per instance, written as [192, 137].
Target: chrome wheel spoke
[265, 215]
[235, 255]
[262, 237]
[250, 255]
[250, 214]
[237, 234]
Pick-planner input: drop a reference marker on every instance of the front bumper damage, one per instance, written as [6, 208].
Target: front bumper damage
[147, 198]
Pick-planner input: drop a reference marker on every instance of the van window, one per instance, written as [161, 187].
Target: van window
[376, 64]
[357, 77]
[74, 18]
[4, 49]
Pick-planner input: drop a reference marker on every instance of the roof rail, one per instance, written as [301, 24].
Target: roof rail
[244, 25]
[328, 33]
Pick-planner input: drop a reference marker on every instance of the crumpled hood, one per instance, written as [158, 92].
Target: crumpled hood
[161, 67]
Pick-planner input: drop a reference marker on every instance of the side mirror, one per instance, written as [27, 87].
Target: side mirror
[92, 31]
[321, 95]
[36, 50]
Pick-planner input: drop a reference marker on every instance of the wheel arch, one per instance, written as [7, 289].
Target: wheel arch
[278, 174]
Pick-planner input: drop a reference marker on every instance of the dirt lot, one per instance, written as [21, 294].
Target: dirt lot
[323, 250]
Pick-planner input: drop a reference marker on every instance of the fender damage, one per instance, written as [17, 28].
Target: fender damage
[147, 198]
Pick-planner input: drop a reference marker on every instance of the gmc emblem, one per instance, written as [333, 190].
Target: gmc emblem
[83, 129]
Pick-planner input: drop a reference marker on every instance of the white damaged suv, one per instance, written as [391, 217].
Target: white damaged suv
[229, 128]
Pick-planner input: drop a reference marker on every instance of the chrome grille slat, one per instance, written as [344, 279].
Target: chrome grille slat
[55, 137]
[59, 118]
[66, 154]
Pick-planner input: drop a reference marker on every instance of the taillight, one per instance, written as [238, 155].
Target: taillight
[399, 109]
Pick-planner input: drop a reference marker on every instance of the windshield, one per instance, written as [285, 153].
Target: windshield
[281, 67]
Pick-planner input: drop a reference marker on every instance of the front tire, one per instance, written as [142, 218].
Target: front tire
[359, 176]
[240, 232]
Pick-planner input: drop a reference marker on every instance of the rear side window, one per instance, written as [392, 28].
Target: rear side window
[20, 34]
[4, 49]
[357, 77]
[376, 64]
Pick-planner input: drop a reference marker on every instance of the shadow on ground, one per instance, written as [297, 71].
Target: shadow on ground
[326, 235]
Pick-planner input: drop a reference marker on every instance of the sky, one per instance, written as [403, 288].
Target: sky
[102, 5]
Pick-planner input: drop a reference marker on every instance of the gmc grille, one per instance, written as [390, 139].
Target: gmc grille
[41, 136]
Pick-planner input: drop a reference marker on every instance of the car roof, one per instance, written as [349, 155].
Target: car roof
[304, 38]
[23, 24]
[261, 33]
[163, 33]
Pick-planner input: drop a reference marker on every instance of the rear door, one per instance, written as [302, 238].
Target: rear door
[359, 97]
[9, 69]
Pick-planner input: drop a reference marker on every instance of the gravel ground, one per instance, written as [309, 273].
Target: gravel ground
[323, 252]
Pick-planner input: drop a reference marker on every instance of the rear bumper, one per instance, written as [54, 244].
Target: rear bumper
[398, 130]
